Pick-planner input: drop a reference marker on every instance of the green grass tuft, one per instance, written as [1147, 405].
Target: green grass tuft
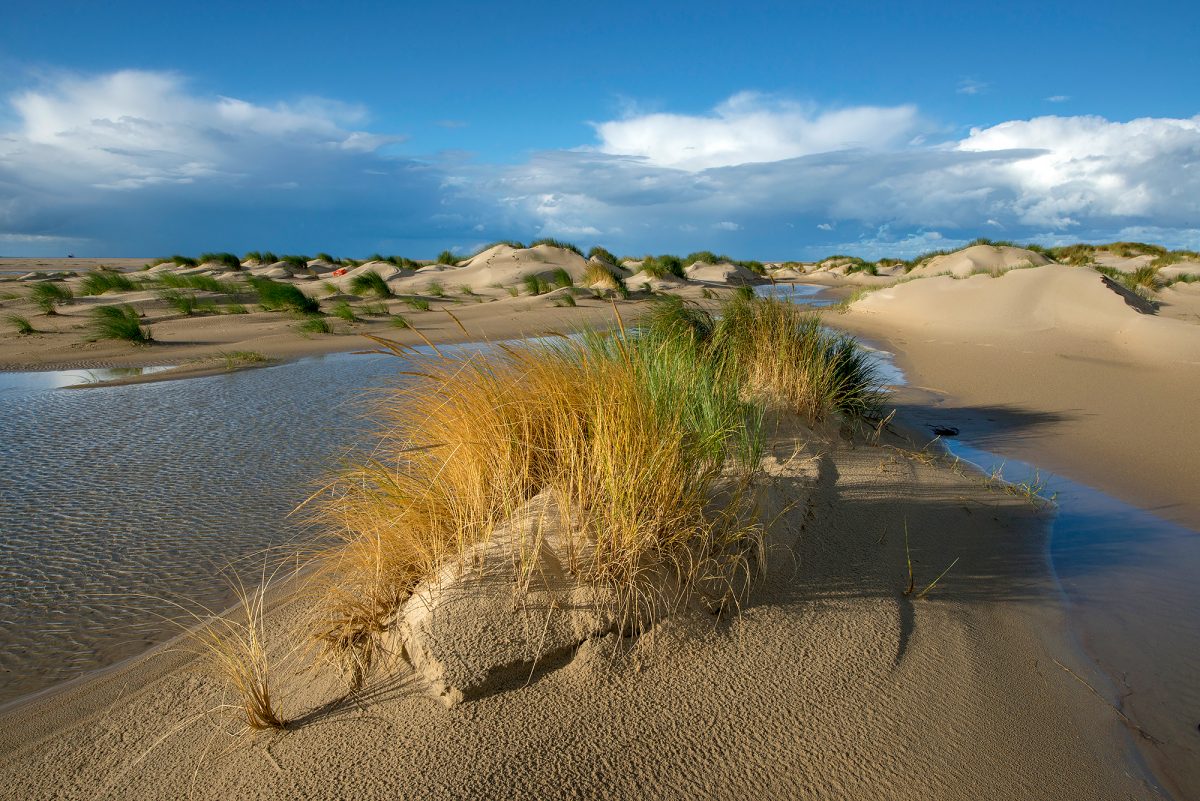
[370, 282]
[48, 294]
[20, 324]
[342, 310]
[418, 304]
[100, 281]
[315, 324]
[446, 257]
[275, 295]
[556, 243]
[227, 260]
[119, 322]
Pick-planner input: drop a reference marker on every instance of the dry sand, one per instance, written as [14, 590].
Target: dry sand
[478, 292]
[1063, 369]
[830, 683]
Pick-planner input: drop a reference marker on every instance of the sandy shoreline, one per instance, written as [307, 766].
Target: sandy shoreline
[829, 670]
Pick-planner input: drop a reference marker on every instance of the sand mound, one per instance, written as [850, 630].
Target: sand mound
[499, 266]
[1125, 264]
[723, 273]
[1076, 301]
[640, 281]
[1182, 268]
[471, 631]
[979, 259]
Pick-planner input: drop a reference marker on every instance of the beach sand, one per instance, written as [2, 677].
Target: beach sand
[830, 683]
[1055, 367]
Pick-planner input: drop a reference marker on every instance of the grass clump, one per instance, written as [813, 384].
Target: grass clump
[601, 276]
[603, 255]
[234, 308]
[631, 435]
[561, 278]
[417, 304]
[120, 322]
[1145, 280]
[374, 309]
[226, 260]
[435, 290]
[398, 321]
[183, 261]
[662, 266]
[183, 302]
[342, 310]
[316, 324]
[446, 257]
[556, 243]
[536, 285]
[647, 441]
[275, 295]
[100, 281]
[567, 300]
[20, 324]
[370, 282]
[46, 295]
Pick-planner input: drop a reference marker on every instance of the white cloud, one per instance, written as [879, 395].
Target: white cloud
[138, 157]
[751, 127]
[1068, 174]
[726, 225]
[825, 226]
[970, 86]
[1058, 98]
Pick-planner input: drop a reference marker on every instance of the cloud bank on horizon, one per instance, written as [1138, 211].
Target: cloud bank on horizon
[136, 162]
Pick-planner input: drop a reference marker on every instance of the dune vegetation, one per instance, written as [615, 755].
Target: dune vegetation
[633, 433]
[119, 322]
[49, 294]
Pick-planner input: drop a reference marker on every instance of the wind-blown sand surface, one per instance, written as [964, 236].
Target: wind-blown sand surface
[830, 683]
[1059, 367]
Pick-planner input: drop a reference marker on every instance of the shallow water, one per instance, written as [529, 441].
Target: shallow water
[115, 498]
[813, 295]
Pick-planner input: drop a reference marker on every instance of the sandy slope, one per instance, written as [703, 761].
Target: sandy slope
[830, 684]
[980, 258]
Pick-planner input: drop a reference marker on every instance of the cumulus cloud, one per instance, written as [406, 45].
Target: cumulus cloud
[138, 157]
[750, 127]
[768, 164]
[139, 161]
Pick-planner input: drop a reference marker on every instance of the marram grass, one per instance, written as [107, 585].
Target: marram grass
[633, 434]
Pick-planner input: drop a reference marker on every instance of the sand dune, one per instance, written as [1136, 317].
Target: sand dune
[1072, 300]
[979, 258]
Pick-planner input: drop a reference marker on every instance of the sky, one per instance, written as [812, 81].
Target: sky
[765, 130]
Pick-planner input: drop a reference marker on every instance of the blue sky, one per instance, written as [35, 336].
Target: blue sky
[767, 130]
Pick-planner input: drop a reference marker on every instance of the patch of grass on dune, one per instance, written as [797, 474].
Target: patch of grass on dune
[561, 278]
[119, 322]
[398, 321]
[98, 282]
[435, 290]
[370, 282]
[186, 302]
[633, 434]
[374, 309]
[446, 257]
[599, 275]
[629, 434]
[226, 260]
[183, 261]
[662, 266]
[46, 295]
[1144, 280]
[535, 285]
[204, 283]
[603, 255]
[417, 304]
[276, 295]
[1175, 257]
[20, 324]
[316, 324]
[343, 310]
[556, 243]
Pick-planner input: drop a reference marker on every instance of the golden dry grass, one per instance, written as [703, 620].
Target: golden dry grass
[633, 437]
